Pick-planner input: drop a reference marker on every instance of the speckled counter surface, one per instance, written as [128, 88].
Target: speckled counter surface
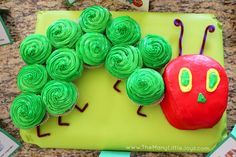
[21, 22]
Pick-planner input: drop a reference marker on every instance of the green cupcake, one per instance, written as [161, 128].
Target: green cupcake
[35, 48]
[122, 60]
[155, 50]
[32, 78]
[59, 97]
[94, 19]
[64, 64]
[93, 48]
[64, 33]
[123, 30]
[145, 86]
[27, 111]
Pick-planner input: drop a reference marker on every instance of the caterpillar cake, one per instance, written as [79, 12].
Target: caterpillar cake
[104, 80]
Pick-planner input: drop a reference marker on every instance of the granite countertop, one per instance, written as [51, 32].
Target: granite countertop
[21, 22]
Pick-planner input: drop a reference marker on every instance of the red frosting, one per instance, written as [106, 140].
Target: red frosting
[183, 110]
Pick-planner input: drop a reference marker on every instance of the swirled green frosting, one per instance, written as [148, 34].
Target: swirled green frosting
[123, 30]
[94, 19]
[145, 86]
[35, 48]
[59, 97]
[155, 50]
[27, 111]
[122, 60]
[93, 48]
[32, 78]
[64, 33]
[64, 64]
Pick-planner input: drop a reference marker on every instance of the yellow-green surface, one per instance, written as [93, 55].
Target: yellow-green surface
[110, 122]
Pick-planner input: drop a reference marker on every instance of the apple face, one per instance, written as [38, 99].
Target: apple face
[196, 92]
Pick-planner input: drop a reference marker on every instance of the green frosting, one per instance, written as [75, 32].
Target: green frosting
[27, 111]
[155, 50]
[123, 30]
[59, 97]
[35, 48]
[213, 78]
[32, 78]
[145, 86]
[185, 78]
[64, 33]
[93, 48]
[201, 98]
[64, 64]
[94, 19]
[122, 60]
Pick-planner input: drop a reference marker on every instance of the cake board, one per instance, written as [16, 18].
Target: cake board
[110, 122]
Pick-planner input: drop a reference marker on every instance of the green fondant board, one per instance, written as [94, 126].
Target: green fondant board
[110, 122]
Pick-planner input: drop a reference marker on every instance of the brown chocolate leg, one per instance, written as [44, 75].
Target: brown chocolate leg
[116, 84]
[39, 133]
[59, 122]
[81, 109]
[139, 112]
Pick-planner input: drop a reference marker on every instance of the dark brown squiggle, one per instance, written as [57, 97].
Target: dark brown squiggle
[39, 133]
[139, 112]
[81, 109]
[59, 122]
[116, 84]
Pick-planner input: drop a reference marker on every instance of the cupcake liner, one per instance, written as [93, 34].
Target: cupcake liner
[93, 67]
[44, 120]
[65, 113]
[157, 103]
